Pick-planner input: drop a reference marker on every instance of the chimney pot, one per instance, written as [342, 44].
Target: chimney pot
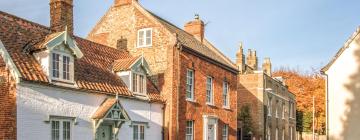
[124, 2]
[196, 28]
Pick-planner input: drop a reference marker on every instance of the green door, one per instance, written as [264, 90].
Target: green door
[104, 133]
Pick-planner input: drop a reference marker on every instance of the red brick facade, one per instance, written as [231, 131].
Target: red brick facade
[169, 61]
[7, 104]
[196, 110]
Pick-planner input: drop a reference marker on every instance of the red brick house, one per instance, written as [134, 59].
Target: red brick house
[198, 82]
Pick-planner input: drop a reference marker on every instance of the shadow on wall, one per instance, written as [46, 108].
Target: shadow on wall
[247, 100]
[351, 119]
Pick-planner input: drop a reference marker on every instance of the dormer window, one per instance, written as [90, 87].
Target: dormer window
[61, 67]
[133, 72]
[138, 83]
[57, 58]
[144, 38]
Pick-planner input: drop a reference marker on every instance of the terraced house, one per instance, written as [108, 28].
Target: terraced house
[272, 105]
[54, 85]
[198, 82]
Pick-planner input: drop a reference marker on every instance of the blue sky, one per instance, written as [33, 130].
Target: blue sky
[300, 34]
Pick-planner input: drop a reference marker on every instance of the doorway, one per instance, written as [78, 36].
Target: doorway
[211, 132]
[104, 133]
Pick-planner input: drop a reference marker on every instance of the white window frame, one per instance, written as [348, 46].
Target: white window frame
[61, 72]
[268, 133]
[283, 110]
[192, 135]
[226, 95]
[138, 88]
[190, 79]
[269, 106]
[211, 90]
[61, 128]
[225, 132]
[138, 126]
[283, 134]
[277, 109]
[144, 38]
[291, 133]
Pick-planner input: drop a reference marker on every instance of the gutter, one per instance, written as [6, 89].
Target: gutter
[327, 102]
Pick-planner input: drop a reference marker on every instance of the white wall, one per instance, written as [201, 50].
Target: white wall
[35, 102]
[344, 94]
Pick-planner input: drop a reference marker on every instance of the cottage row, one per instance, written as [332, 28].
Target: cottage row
[135, 77]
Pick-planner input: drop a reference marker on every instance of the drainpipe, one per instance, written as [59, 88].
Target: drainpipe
[178, 51]
[327, 103]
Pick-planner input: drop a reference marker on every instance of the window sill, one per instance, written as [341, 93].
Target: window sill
[140, 94]
[191, 100]
[226, 107]
[210, 104]
[144, 46]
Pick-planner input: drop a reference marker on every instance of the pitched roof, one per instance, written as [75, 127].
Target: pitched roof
[188, 40]
[341, 50]
[104, 108]
[124, 64]
[93, 71]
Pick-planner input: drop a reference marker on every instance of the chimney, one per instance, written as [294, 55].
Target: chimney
[252, 60]
[122, 44]
[61, 15]
[240, 59]
[267, 66]
[196, 28]
[124, 2]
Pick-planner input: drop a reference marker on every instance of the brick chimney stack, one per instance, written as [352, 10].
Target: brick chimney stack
[240, 59]
[251, 59]
[124, 2]
[61, 15]
[196, 28]
[267, 66]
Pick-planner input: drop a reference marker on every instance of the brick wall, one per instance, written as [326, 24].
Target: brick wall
[168, 65]
[7, 104]
[252, 91]
[196, 110]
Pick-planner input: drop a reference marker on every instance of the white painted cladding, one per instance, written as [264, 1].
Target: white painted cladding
[36, 102]
[343, 94]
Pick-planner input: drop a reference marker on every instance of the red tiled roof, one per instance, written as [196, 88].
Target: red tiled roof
[92, 72]
[124, 64]
[104, 108]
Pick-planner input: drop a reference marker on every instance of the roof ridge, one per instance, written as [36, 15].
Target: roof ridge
[98, 44]
[24, 20]
[341, 50]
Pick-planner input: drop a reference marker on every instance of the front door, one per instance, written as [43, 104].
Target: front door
[104, 133]
[211, 132]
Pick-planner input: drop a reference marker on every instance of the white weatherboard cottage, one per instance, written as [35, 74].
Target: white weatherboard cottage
[343, 91]
[68, 88]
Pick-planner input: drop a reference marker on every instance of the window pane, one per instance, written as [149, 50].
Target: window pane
[148, 37]
[66, 130]
[209, 90]
[225, 94]
[66, 67]
[55, 130]
[142, 132]
[225, 132]
[141, 38]
[189, 84]
[135, 82]
[55, 65]
[135, 132]
[189, 130]
[141, 83]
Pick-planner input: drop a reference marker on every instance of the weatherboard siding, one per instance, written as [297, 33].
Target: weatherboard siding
[36, 102]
